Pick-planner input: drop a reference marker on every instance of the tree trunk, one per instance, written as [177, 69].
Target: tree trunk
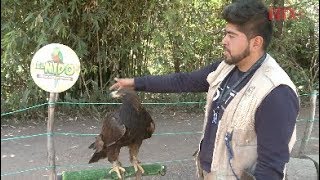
[175, 54]
[278, 22]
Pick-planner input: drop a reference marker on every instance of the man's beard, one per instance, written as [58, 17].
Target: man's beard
[236, 59]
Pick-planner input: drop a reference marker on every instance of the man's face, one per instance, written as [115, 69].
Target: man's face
[235, 44]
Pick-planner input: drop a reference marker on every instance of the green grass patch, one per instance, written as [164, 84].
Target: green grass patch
[103, 173]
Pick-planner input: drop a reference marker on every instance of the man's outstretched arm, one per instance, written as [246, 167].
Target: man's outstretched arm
[173, 83]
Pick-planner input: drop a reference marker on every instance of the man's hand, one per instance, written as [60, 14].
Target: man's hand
[123, 83]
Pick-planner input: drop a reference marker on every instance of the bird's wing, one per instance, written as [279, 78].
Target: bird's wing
[150, 125]
[112, 130]
[97, 144]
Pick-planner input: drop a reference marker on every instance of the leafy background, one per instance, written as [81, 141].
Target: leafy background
[127, 38]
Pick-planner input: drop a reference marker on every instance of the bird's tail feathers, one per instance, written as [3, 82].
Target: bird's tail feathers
[96, 157]
[92, 146]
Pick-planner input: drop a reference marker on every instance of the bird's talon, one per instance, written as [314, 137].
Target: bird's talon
[141, 169]
[118, 170]
[138, 167]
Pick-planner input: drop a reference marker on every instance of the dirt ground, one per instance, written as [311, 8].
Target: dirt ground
[27, 158]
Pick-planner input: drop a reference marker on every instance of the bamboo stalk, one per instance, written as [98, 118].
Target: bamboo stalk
[99, 61]
[50, 140]
[85, 85]
[309, 125]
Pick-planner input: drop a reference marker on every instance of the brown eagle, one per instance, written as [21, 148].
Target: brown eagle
[128, 126]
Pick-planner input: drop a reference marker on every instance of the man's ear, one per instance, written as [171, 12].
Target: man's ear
[257, 43]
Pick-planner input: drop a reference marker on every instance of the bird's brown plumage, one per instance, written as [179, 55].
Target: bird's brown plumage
[128, 126]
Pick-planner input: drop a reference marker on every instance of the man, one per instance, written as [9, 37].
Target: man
[252, 105]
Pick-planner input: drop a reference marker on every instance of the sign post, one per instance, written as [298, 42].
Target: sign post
[54, 68]
[50, 141]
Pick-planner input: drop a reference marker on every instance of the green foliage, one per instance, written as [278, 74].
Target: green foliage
[187, 36]
[297, 49]
[127, 38]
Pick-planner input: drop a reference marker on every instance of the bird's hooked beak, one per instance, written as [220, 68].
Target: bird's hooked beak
[115, 94]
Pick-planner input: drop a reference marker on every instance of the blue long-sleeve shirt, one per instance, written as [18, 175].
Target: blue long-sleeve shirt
[273, 130]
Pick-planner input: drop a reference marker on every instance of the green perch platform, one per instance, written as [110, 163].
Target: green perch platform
[99, 174]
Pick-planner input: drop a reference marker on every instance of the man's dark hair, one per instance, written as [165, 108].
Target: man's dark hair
[252, 19]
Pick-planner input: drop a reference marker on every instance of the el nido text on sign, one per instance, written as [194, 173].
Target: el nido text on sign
[55, 68]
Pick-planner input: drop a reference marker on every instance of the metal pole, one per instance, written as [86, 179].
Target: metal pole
[50, 141]
[309, 124]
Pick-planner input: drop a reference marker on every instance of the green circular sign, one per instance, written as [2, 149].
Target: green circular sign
[55, 68]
